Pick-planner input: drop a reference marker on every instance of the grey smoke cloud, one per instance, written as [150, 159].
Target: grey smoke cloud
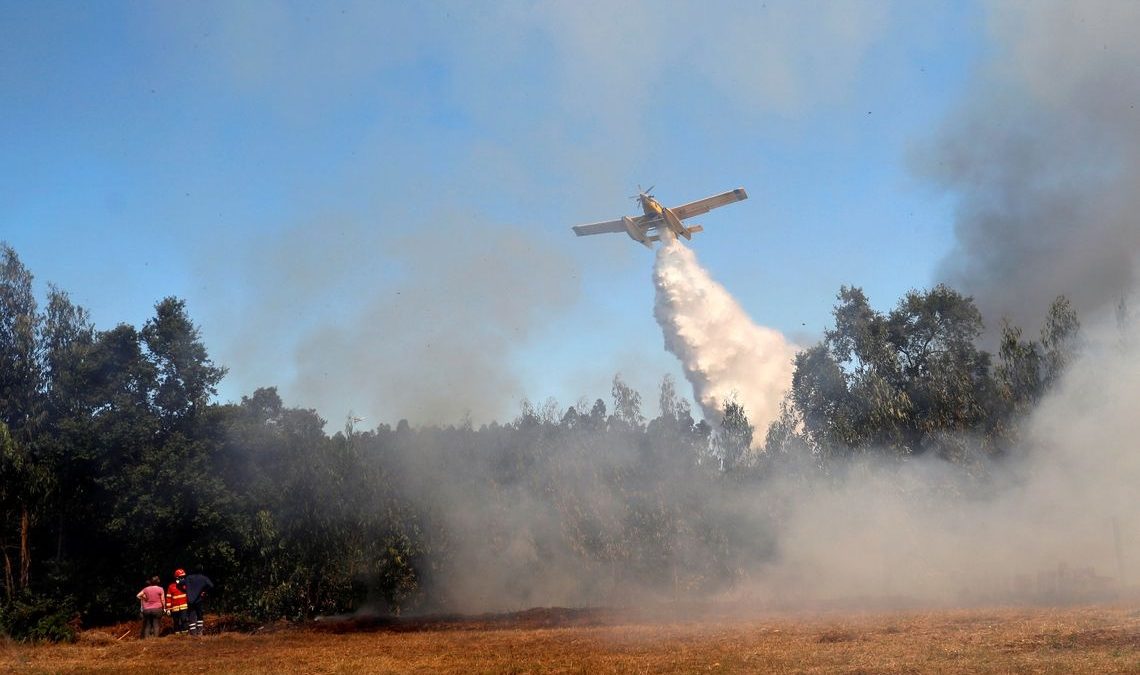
[871, 532]
[435, 343]
[1042, 160]
[925, 531]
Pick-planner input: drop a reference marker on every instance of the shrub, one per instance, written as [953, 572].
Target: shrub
[30, 619]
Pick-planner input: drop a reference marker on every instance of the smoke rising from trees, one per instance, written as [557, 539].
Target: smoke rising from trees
[914, 495]
[907, 465]
[433, 325]
[923, 529]
[1042, 160]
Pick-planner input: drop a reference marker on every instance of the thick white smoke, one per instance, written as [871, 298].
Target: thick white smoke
[1054, 520]
[724, 354]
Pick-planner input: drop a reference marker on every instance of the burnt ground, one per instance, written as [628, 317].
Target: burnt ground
[669, 639]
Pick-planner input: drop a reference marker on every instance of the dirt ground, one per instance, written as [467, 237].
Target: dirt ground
[1097, 639]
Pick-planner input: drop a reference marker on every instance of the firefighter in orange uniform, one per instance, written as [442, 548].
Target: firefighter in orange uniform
[176, 604]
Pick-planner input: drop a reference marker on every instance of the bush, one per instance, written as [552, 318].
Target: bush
[29, 619]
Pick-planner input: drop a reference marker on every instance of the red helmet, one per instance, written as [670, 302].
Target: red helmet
[179, 573]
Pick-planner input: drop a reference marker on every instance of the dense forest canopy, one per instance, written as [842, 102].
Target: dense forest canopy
[116, 464]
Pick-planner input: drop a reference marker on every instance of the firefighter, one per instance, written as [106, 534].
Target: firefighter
[176, 603]
[195, 586]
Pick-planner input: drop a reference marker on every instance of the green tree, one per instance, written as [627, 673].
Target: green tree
[734, 439]
[67, 339]
[823, 402]
[20, 373]
[1061, 340]
[905, 381]
[22, 486]
[674, 438]
[1027, 369]
[25, 480]
[186, 378]
[1019, 369]
[627, 405]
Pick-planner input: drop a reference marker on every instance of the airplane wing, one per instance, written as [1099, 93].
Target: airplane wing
[613, 226]
[599, 228]
[708, 203]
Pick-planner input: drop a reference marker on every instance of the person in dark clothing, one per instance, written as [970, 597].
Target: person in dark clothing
[196, 587]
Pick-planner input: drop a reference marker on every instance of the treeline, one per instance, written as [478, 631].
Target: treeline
[915, 381]
[115, 465]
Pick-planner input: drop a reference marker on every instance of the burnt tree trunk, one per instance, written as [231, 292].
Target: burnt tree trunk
[25, 552]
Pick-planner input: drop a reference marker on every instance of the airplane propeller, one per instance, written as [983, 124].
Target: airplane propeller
[642, 192]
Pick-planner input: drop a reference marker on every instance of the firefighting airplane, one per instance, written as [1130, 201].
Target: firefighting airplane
[658, 218]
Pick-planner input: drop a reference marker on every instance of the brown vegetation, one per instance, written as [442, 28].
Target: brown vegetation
[1073, 640]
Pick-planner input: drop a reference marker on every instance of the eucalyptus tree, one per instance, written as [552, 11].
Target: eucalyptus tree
[897, 382]
[25, 480]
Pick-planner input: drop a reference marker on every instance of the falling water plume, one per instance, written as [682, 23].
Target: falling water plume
[724, 354]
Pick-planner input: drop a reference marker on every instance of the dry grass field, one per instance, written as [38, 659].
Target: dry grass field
[1100, 639]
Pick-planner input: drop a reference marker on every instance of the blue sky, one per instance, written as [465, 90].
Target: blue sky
[368, 204]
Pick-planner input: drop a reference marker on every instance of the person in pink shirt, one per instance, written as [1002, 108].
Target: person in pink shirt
[152, 599]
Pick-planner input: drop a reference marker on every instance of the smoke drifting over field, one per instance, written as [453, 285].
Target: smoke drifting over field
[431, 333]
[1042, 160]
[724, 354]
[544, 515]
[562, 508]
[925, 531]
[1054, 520]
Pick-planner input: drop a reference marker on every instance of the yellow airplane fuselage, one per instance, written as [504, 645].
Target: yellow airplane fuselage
[653, 208]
